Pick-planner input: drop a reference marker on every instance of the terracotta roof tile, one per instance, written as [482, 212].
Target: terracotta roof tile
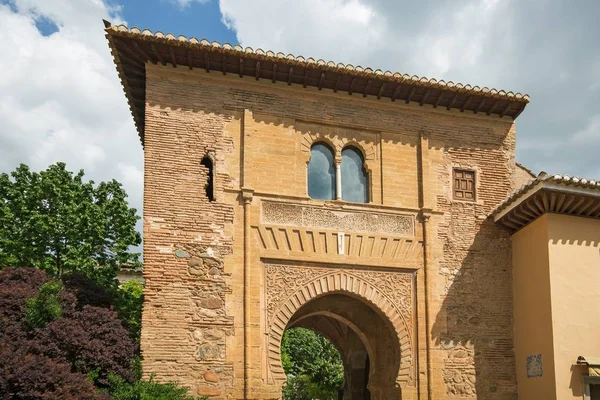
[131, 48]
[431, 82]
[563, 180]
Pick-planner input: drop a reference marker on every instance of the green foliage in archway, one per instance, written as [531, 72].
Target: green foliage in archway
[312, 364]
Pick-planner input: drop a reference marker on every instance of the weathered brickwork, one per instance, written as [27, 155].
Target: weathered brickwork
[199, 304]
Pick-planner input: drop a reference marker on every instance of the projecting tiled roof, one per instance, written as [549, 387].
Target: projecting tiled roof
[549, 193]
[132, 48]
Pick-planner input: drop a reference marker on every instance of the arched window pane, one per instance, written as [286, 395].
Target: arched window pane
[354, 176]
[321, 173]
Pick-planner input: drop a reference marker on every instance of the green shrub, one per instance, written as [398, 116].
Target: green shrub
[128, 303]
[45, 307]
[120, 389]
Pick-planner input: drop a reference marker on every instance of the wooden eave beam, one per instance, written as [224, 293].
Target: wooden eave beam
[274, 73]
[137, 90]
[509, 224]
[138, 56]
[492, 107]
[411, 94]
[206, 62]
[559, 203]
[527, 212]
[593, 209]
[129, 58]
[146, 55]
[367, 87]
[136, 81]
[158, 56]
[451, 104]
[534, 207]
[539, 204]
[425, 96]
[321, 80]
[566, 205]
[439, 98]
[135, 75]
[241, 67]
[545, 201]
[189, 57]
[289, 78]
[576, 206]
[337, 82]
[381, 90]
[396, 92]
[479, 106]
[224, 63]
[586, 206]
[133, 67]
[462, 108]
[505, 109]
[552, 201]
[518, 217]
[257, 70]
[512, 217]
[304, 83]
[520, 110]
[351, 87]
[173, 59]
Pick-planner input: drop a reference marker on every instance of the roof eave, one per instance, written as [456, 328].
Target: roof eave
[541, 198]
[133, 48]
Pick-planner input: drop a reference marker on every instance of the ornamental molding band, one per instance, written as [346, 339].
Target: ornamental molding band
[300, 215]
[290, 287]
[280, 242]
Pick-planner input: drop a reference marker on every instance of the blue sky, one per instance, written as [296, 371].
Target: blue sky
[61, 100]
[202, 20]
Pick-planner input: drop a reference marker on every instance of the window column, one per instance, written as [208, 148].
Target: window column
[338, 179]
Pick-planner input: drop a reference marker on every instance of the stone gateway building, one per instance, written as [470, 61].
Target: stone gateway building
[368, 206]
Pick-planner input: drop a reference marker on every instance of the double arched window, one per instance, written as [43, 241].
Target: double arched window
[328, 180]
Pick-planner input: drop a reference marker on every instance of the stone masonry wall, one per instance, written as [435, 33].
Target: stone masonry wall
[259, 133]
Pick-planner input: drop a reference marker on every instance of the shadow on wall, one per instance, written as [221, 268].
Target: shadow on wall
[473, 332]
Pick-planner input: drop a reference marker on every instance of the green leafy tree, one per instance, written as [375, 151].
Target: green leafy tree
[312, 364]
[56, 221]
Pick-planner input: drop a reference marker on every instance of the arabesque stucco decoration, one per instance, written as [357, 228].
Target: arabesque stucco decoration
[278, 213]
[290, 287]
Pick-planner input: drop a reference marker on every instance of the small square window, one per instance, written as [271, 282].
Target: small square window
[464, 184]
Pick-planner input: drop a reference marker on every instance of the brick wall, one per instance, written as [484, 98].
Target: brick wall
[261, 134]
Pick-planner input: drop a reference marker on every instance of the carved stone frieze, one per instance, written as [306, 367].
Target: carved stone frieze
[300, 215]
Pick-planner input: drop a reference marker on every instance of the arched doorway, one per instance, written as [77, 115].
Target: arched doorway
[367, 327]
[362, 336]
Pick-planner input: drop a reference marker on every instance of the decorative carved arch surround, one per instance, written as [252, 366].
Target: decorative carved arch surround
[290, 287]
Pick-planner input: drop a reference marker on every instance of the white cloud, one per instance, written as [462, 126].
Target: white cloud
[60, 98]
[185, 3]
[545, 49]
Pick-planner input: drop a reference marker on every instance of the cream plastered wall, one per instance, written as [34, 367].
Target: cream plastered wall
[574, 251]
[532, 310]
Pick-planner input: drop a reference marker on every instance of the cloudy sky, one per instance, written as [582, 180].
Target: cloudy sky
[60, 99]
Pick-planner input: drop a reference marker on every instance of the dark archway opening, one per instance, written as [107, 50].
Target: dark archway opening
[207, 163]
[366, 342]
